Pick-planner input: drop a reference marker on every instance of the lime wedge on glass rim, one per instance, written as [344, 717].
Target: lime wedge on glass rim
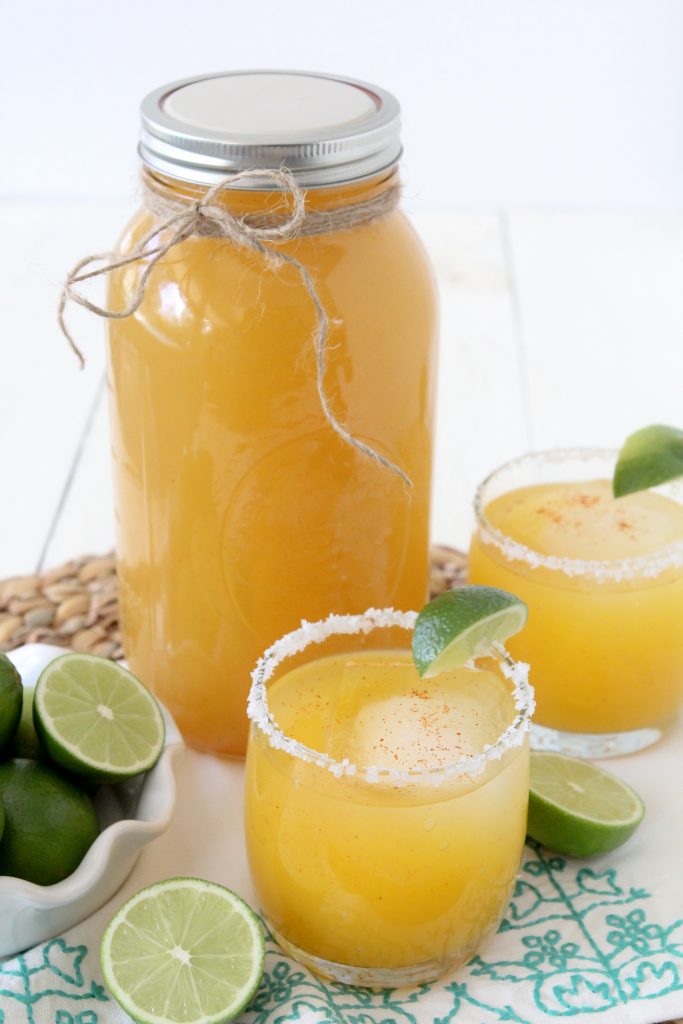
[183, 950]
[463, 624]
[649, 457]
[96, 719]
[578, 809]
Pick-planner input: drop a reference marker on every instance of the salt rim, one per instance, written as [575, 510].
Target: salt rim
[602, 571]
[308, 633]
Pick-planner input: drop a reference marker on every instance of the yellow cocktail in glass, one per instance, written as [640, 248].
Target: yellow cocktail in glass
[603, 581]
[385, 815]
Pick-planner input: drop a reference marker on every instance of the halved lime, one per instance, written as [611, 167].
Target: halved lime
[463, 624]
[650, 457]
[183, 950]
[579, 809]
[96, 719]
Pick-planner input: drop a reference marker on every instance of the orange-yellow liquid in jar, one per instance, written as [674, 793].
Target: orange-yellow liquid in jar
[239, 510]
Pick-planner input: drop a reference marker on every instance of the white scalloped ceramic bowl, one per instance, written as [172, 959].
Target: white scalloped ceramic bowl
[131, 815]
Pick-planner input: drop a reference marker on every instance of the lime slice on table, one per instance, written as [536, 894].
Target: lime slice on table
[650, 457]
[183, 950]
[463, 624]
[579, 809]
[96, 719]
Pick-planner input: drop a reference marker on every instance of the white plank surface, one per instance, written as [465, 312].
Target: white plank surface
[44, 398]
[601, 310]
[85, 524]
[481, 412]
[556, 328]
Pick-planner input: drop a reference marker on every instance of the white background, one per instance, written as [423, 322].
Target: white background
[506, 102]
[543, 168]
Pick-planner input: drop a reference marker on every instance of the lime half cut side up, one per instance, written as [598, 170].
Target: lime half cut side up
[96, 719]
[651, 456]
[578, 809]
[183, 951]
[463, 624]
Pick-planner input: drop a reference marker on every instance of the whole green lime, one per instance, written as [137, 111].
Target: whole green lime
[10, 700]
[25, 742]
[49, 824]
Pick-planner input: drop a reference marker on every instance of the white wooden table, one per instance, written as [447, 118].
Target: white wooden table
[558, 328]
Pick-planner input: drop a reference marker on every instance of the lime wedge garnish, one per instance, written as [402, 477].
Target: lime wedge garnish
[650, 457]
[96, 719]
[579, 809]
[183, 950]
[464, 624]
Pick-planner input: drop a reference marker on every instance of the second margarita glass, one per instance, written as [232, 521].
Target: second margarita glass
[603, 581]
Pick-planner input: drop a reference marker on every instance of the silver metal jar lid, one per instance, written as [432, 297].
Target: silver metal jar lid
[325, 129]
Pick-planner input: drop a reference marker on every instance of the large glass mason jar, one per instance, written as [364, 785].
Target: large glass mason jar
[240, 508]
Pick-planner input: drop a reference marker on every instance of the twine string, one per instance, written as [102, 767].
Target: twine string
[207, 217]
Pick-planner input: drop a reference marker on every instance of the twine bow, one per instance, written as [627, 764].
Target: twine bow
[177, 220]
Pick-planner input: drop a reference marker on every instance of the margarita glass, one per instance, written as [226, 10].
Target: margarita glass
[603, 581]
[385, 815]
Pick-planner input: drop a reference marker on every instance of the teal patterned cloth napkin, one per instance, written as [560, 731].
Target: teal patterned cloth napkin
[599, 940]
